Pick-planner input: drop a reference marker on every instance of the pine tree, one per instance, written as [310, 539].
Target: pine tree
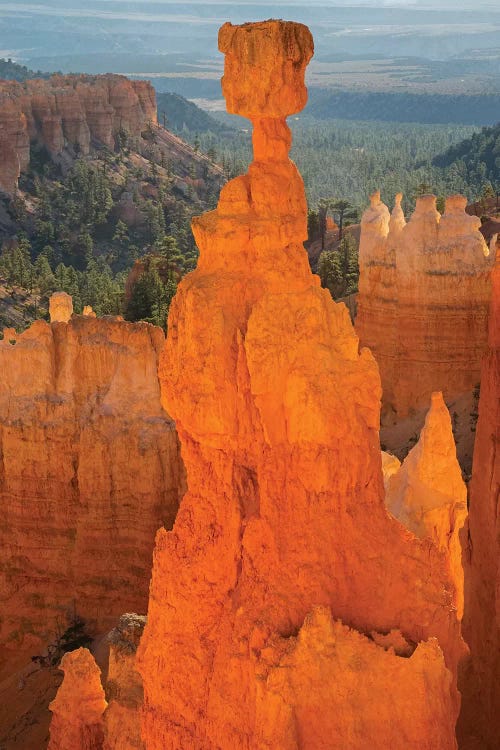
[121, 234]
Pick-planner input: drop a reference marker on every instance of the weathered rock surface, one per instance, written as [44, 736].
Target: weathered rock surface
[72, 110]
[77, 722]
[428, 495]
[301, 701]
[424, 292]
[480, 720]
[283, 531]
[122, 728]
[89, 716]
[89, 470]
[60, 307]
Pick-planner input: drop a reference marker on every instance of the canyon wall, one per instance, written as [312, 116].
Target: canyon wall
[480, 720]
[89, 470]
[424, 293]
[288, 609]
[72, 110]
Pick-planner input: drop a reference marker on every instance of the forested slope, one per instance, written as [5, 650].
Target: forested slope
[12, 71]
[179, 114]
[479, 155]
[81, 227]
[389, 106]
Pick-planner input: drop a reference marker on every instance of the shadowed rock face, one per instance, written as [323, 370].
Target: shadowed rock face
[424, 292]
[89, 470]
[71, 110]
[122, 728]
[283, 533]
[480, 720]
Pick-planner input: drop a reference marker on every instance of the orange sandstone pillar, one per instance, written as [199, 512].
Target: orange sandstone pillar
[78, 707]
[284, 582]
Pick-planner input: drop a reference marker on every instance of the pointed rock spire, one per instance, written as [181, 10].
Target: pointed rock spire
[428, 495]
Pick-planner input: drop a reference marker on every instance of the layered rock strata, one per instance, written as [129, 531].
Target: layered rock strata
[481, 712]
[424, 292]
[72, 110]
[89, 470]
[285, 603]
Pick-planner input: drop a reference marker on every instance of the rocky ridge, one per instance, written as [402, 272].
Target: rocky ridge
[74, 111]
[90, 469]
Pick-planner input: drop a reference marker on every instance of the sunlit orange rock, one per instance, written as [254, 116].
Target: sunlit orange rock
[424, 292]
[428, 495]
[67, 111]
[393, 701]
[14, 145]
[90, 470]
[9, 334]
[60, 307]
[283, 535]
[331, 226]
[377, 301]
[480, 684]
[77, 722]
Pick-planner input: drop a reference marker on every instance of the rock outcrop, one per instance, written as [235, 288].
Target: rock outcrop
[89, 470]
[73, 110]
[327, 662]
[424, 292]
[287, 608]
[480, 723]
[77, 722]
[122, 728]
[60, 307]
[427, 493]
[87, 715]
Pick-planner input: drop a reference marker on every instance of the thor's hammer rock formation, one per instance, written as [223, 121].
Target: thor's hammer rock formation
[287, 608]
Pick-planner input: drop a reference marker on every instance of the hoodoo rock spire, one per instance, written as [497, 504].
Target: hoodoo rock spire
[286, 603]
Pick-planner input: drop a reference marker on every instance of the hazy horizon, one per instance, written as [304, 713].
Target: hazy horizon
[31, 30]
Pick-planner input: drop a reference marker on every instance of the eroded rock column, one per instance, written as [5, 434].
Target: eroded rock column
[284, 574]
[424, 292]
[77, 709]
